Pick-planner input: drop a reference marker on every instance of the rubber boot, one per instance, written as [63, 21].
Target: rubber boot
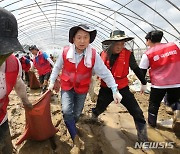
[71, 126]
[152, 118]
[176, 122]
[176, 119]
[73, 132]
[141, 131]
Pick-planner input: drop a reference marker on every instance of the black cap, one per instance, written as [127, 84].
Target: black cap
[84, 27]
[8, 33]
[33, 47]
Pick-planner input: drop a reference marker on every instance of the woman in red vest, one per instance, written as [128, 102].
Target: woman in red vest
[163, 59]
[10, 75]
[118, 60]
[77, 61]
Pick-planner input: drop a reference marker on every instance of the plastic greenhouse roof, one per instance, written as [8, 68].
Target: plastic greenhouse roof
[46, 23]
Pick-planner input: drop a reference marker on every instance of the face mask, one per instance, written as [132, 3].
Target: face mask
[3, 58]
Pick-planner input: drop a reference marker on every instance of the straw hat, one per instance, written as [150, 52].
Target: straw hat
[117, 35]
[74, 30]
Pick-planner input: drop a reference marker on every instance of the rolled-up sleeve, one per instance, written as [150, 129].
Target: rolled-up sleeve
[103, 72]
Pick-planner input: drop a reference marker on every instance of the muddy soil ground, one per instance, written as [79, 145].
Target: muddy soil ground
[114, 132]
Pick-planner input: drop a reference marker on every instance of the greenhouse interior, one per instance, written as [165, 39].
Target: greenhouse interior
[45, 28]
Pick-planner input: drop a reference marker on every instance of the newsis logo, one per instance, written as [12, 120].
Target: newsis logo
[154, 145]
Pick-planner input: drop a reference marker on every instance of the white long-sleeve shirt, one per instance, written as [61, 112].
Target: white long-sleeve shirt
[99, 69]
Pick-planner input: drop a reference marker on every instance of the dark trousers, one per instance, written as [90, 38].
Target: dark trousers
[6, 146]
[44, 77]
[105, 97]
[27, 76]
[156, 96]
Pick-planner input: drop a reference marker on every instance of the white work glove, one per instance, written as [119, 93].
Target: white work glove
[117, 97]
[143, 88]
[51, 86]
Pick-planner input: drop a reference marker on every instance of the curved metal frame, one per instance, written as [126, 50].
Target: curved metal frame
[51, 19]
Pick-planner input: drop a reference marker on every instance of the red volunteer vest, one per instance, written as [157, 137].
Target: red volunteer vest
[42, 65]
[164, 62]
[11, 72]
[120, 69]
[25, 66]
[78, 78]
